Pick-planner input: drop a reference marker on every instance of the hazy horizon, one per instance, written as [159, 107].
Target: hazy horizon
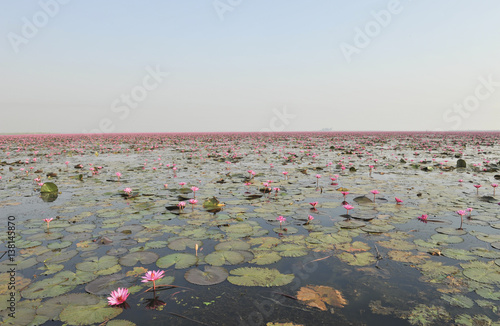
[249, 66]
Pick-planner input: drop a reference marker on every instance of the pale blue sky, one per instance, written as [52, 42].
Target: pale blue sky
[260, 65]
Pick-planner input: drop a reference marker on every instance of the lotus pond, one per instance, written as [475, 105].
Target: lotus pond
[251, 229]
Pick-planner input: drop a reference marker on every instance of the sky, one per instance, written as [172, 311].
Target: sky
[69, 66]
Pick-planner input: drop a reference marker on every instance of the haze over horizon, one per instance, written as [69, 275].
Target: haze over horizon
[236, 65]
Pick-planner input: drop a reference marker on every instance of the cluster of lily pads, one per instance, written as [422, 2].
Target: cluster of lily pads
[282, 197]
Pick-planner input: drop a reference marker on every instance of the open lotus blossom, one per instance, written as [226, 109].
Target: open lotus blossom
[48, 221]
[313, 204]
[181, 205]
[375, 192]
[118, 297]
[494, 185]
[281, 219]
[193, 201]
[127, 191]
[461, 180]
[182, 184]
[317, 179]
[152, 276]
[195, 189]
[398, 200]
[423, 218]
[461, 213]
[348, 208]
[344, 193]
[477, 189]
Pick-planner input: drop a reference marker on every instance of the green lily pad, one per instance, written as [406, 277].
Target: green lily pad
[49, 187]
[450, 231]
[182, 244]
[104, 285]
[458, 300]
[180, 260]
[210, 276]
[89, 314]
[59, 245]
[47, 288]
[290, 250]
[97, 264]
[459, 254]
[264, 257]
[144, 257]
[428, 315]
[232, 245]
[482, 272]
[224, 257]
[53, 307]
[256, 276]
[358, 259]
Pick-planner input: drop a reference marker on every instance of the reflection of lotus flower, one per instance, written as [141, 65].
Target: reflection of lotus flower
[118, 297]
[281, 219]
[182, 184]
[193, 201]
[317, 179]
[154, 303]
[345, 193]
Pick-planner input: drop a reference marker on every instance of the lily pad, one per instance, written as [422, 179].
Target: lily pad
[224, 257]
[89, 314]
[256, 276]
[144, 257]
[49, 187]
[180, 260]
[210, 276]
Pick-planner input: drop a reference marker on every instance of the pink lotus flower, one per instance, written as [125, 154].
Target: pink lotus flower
[477, 189]
[313, 204]
[281, 219]
[398, 201]
[423, 218]
[118, 297]
[182, 184]
[48, 221]
[344, 193]
[152, 276]
[375, 192]
[285, 174]
[194, 189]
[181, 205]
[310, 218]
[127, 191]
[494, 185]
[193, 201]
[348, 208]
[461, 213]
